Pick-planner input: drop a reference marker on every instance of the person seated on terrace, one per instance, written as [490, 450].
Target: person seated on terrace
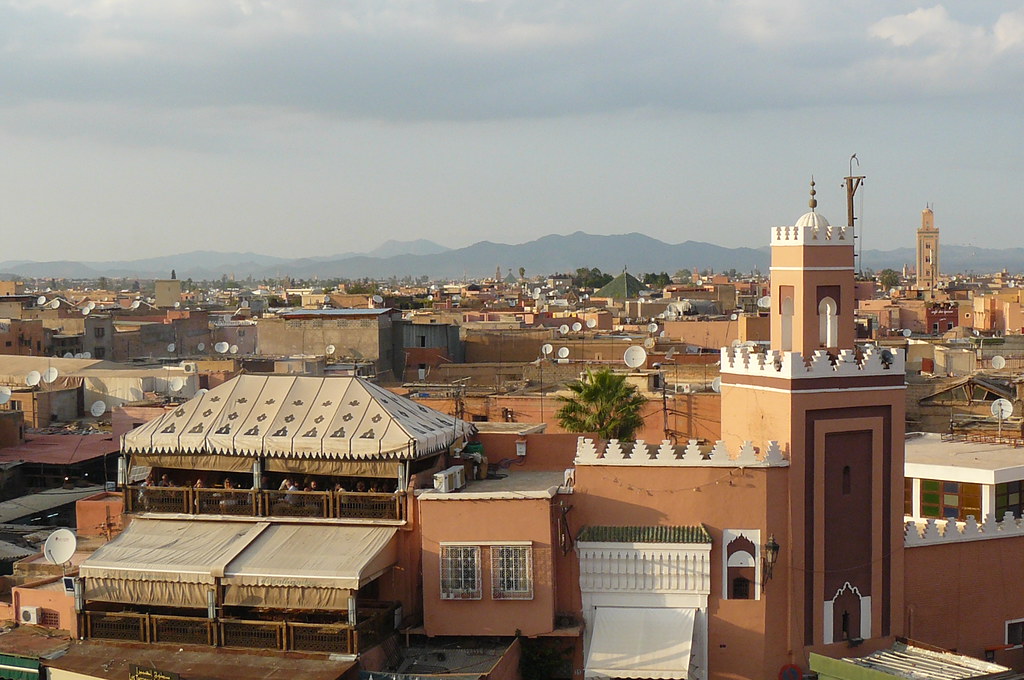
[361, 486]
[311, 485]
[165, 480]
[339, 487]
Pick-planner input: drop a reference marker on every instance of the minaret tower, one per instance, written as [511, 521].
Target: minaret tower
[837, 413]
[927, 251]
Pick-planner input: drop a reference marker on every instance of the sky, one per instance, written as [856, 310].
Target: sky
[312, 127]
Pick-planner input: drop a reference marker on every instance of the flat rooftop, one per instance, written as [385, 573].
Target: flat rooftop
[516, 484]
[521, 429]
[930, 456]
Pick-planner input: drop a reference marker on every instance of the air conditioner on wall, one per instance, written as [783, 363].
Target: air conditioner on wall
[451, 479]
[189, 367]
[29, 615]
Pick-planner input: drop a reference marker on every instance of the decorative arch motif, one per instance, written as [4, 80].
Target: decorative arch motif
[787, 324]
[833, 628]
[828, 323]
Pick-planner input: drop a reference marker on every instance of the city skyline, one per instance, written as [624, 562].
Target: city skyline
[134, 130]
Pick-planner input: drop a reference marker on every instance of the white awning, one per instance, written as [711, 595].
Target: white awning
[281, 416]
[641, 642]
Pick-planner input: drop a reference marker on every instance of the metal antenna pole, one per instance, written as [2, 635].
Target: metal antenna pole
[853, 183]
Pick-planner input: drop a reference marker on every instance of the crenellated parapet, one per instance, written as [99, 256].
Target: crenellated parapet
[667, 454]
[823, 235]
[794, 365]
[934, 532]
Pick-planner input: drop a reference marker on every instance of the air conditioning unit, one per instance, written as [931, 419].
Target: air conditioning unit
[30, 615]
[189, 367]
[683, 388]
[451, 479]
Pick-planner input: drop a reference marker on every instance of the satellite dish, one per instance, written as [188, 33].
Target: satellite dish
[60, 547]
[177, 305]
[170, 347]
[1002, 408]
[41, 300]
[733, 316]
[233, 349]
[33, 378]
[49, 375]
[201, 346]
[765, 302]
[221, 347]
[652, 327]
[591, 323]
[577, 327]
[85, 311]
[135, 304]
[78, 355]
[91, 306]
[563, 352]
[716, 384]
[5, 394]
[55, 304]
[87, 355]
[635, 356]
[378, 300]
[430, 297]
[201, 392]
[536, 293]
[330, 350]
[98, 408]
[563, 329]
[998, 362]
[649, 343]
[547, 349]
[976, 332]
[177, 383]
[663, 334]
[69, 355]
[907, 332]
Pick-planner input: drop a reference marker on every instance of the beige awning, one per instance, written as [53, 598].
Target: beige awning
[308, 566]
[300, 417]
[163, 562]
[641, 642]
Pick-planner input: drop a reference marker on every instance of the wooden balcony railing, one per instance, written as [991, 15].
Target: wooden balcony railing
[274, 503]
[330, 638]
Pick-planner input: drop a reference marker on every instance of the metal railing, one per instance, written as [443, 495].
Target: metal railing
[330, 638]
[271, 503]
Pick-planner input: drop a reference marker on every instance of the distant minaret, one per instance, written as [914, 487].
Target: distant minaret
[927, 251]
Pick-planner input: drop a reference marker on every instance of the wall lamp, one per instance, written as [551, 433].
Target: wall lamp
[769, 556]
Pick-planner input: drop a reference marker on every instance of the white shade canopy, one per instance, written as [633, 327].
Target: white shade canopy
[299, 417]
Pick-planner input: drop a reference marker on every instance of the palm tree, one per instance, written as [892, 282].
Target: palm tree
[602, 402]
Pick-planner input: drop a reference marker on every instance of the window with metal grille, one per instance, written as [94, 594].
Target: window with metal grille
[460, 572]
[49, 618]
[511, 572]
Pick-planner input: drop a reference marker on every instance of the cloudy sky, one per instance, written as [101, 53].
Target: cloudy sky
[132, 128]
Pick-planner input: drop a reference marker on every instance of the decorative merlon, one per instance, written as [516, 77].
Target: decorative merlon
[693, 454]
[793, 365]
[933, 532]
[814, 236]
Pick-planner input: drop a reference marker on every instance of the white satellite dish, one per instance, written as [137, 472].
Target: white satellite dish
[649, 343]
[135, 304]
[563, 329]
[577, 327]
[98, 408]
[33, 378]
[200, 347]
[50, 374]
[69, 355]
[1002, 408]
[670, 353]
[54, 304]
[378, 300]
[635, 356]
[591, 323]
[233, 349]
[765, 302]
[536, 293]
[716, 384]
[91, 306]
[733, 316]
[41, 300]
[177, 305]
[563, 352]
[177, 383]
[171, 347]
[85, 311]
[907, 332]
[547, 349]
[60, 547]
[652, 327]
[78, 355]
[5, 394]
[87, 355]
[221, 347]
[998, 362]
[976, 332]
[430, 297]
[330, 350]
[663, 334]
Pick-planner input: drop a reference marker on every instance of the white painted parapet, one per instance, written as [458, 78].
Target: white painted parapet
[934, 532]
[810, 235]
[640, 453]
[793, 365]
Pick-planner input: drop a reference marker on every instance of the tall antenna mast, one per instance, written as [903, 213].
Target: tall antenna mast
[853, 183]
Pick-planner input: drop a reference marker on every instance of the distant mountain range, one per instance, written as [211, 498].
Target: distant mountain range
[546, 255]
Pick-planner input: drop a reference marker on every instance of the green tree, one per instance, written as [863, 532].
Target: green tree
[683, 276]
[522, 273]
[602, 402]
[656, 280]
[889, 278]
